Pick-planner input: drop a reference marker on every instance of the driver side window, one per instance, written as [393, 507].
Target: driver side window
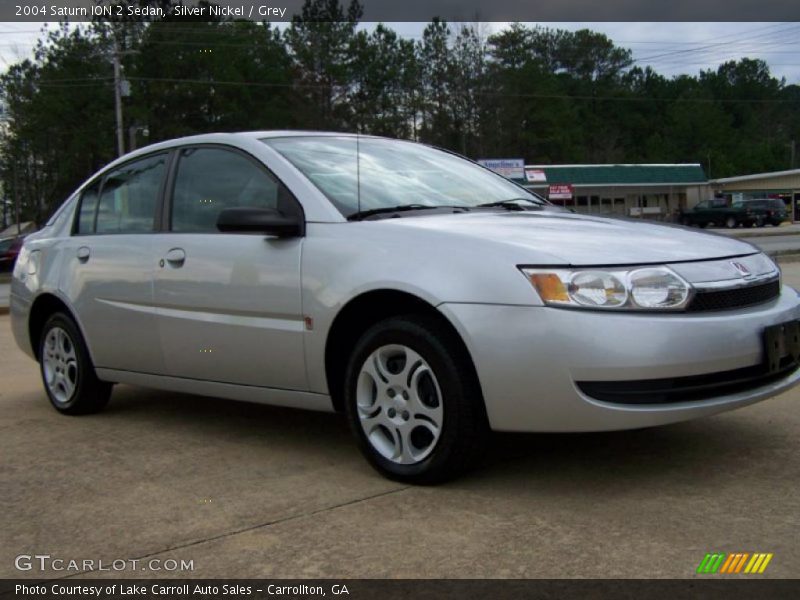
[210, 180]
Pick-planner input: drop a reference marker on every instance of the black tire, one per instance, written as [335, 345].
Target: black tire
[702, 225]
[89, 394]
[464, 429]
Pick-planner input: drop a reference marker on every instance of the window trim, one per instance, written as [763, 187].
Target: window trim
[101, 179]
[172, 176]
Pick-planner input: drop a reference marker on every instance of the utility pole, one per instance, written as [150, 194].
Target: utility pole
[118, 100]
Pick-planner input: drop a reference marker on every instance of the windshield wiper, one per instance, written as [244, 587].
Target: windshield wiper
[512, 204]
[363, 214]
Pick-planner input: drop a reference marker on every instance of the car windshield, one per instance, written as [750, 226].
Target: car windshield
[369, 174]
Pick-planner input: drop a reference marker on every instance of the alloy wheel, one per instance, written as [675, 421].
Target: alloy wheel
[60, 365]
[399, 404]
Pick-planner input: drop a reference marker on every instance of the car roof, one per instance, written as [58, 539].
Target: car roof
[231, 137]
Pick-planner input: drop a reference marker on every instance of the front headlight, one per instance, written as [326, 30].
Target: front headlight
[641, 288]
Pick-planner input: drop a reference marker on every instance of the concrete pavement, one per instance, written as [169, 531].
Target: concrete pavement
[777, 245]
[785, 229]
[252, 491]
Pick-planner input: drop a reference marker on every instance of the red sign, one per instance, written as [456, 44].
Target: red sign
[561, 191]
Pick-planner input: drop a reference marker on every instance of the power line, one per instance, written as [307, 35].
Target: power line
[265, 84]
[715, 45]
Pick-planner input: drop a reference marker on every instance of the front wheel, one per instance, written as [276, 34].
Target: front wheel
[67, 371]
[413, 401]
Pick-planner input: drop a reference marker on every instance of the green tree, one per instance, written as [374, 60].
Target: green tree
[320, 41]
[60, 110]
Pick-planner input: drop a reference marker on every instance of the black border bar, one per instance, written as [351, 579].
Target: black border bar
[711, 587]
[425, 10]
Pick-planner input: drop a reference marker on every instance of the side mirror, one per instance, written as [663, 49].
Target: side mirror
[259, 220]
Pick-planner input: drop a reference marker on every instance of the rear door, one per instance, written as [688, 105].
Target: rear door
[109, 263]
[229, 304]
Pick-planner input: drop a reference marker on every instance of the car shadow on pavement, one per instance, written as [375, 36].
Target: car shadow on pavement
[685, 450]
[209, 416]
[694, 451]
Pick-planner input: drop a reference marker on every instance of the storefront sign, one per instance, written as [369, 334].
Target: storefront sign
[561, 191]
[511, 168]
[535, 176]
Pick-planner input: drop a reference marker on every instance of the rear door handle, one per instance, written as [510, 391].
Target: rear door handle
[176, 257]
[83, 253]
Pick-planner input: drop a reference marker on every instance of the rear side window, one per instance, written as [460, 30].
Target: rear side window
[88, 209]
[210, 180]
[129, 196]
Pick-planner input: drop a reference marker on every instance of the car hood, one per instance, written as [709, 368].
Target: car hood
[550, 237]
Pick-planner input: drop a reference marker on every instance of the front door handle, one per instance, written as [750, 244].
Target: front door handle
[176, 257]
[83, 253]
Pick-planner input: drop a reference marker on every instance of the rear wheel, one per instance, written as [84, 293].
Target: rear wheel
[413, 401]
[67, 371]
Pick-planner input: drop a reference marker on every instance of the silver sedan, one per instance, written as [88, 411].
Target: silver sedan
[424, 296]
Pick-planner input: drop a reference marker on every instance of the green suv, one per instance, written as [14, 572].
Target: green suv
[765, 211]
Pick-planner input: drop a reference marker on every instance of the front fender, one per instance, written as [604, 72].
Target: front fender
[343, 261]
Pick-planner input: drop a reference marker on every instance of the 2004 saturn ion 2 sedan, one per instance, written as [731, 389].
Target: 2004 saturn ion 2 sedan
[428, 298]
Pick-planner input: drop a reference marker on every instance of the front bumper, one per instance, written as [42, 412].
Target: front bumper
[529, 360]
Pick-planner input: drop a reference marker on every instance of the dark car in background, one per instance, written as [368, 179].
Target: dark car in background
[9, 249]
[766, 211]
[718, 212]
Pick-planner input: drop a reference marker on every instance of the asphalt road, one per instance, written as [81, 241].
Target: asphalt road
[776, 243]
[245, 490]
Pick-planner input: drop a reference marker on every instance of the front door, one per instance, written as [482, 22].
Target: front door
[228, 304]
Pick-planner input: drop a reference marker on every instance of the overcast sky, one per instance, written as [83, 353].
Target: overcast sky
[670, 48]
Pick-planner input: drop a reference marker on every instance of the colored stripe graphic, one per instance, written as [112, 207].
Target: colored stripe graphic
[727, 564]
[711, 563]
[730, 564]
[740, 564]
[720, 562]
[764, 564]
